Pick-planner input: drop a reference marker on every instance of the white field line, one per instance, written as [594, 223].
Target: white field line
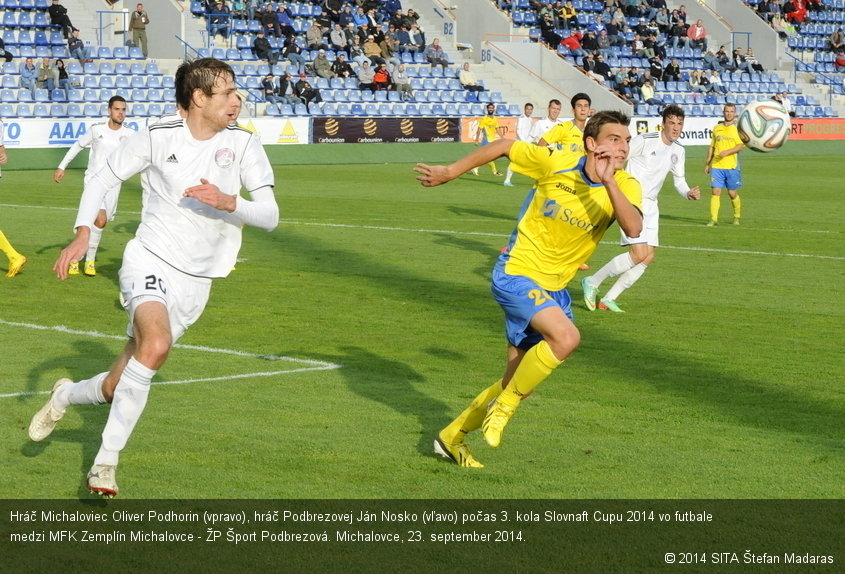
[310, 365]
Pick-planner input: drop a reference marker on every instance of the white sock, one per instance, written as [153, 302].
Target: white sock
[616, 266]
[508, 175]
[94, 243]
[87, 392]
[130, 398]
[625, 281]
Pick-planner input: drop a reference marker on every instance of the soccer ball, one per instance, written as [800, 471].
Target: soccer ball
[764, 126]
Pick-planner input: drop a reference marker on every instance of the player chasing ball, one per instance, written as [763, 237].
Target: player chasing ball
[652, 157]
[575, 199]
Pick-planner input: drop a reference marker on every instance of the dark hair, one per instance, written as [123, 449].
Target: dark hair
[673, 110]
[114, 99]
[200, 74]
[599, 119]
[580, 96]
[554, 102]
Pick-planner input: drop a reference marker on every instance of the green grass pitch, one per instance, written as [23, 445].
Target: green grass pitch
[345, 339]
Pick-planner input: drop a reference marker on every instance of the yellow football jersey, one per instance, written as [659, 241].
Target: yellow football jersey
[564, 217]
[489, 127]
[725, 137]
[566, 136]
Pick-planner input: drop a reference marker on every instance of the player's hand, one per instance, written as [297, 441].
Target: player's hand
[694, 193]
[210, 194]
[605, 163]
[72, 253]
[432, 175]
[707, 169]
[59, 175]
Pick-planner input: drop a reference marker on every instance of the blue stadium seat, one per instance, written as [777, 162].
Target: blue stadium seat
[58, 95]
[138, 110]
[300, 110]
[24, 111]
[7, 110]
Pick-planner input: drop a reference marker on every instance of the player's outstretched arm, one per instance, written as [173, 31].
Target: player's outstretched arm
[433, 175]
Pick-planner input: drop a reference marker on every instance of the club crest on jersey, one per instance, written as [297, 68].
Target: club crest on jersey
[674, 158]
[224, 157]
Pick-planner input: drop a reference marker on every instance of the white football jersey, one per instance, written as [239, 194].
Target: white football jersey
[102, 140]
[184, 232]
[650, 161]
[542, 126]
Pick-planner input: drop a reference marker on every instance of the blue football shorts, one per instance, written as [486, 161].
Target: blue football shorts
[725, 178]
[521, 298]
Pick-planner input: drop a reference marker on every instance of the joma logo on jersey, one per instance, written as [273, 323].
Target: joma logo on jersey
[565, 188]
[553, 210]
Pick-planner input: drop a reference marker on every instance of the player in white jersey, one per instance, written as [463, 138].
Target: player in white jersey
[524, 123]
[545, 124]
[193, 169]
[652, 157]
[103, 138]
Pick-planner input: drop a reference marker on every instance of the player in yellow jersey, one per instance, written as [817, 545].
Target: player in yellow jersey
[16, 260]
[575, 200]
[570, 135]
[488, 132]
[723, 165]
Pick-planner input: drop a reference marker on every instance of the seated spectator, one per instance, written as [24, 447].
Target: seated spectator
[602, 72]
[4, 52]
[716, 84]
[783, 100]
[725, 60]
[293, 53]
[672, 72]
[262, 49]
[656, 67]
[678, 34]
[59, 17]
[839, 61]
[837, 40]
[615, 31]
[416, 41]
[366, 77]
[287, 91]
[697, 35]
[402, 81]
[649, 96]
[340, 41]
[63, 78]
[356, 54]
[284, 25]
[372, 51]
[740, 63]
[304, 90]
[590, 42]
[698, 82]
[314, 37]
[360, 17]
[389, 47]
[382, 78]
[435, 55]
[28, 75]
[711, 62]
[573, 44]
[345, 18]
[795, 11]
[270, 23]
[218, 20]
[77, 48]
[751, 59]
[568, 16]
[333, 9]
[268, 86]
[322, 66]
[47, 75]
[603, 42]
[341, 68]
[468, 79]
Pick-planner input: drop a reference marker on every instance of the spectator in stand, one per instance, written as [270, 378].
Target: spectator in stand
[263, 50]
[138, 22]
[28, 75]
[47, 75]
[602, 71]
[77, 48]
[740, 63]
[716, 84]
[341, 67]
[783, 100]
[284, 25]
[678, 34]
[639, 48]
[568, 16]
[596, 25]
[698, 82]
[268, 86]
[338, 39]
[218, 20]
[314, 37]
[573, 44]
[4, 52]
[293, 53]
[325, 21]
[839, 61]
[435, 55]
[604, 46]
[837, 40]
[795, 11]
[403, 83]
[270, 22]
[615, 32]
[64, 79]
[682, 13]
[725, 60]
[468, 79]
[382, 78]
[346, 17]
[650, 97]
[333, 9]
[305, 91]
[59, 17]
[416, 41]
[656, 67]
[697, 35]
[372, 51]
[751, 59]
[366, 77]
[672, 72]
[360, 17]
[322, 66]
[711, 62]
[590, 42]
[287, 91]
[548, 34]
[388, 45]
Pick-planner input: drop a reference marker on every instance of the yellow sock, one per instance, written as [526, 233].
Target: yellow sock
[7, 248]
[715, 202]
[473, 415]
[737, 205]
[537, 364]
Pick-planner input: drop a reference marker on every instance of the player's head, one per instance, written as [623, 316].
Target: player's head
[554, 109]
[528, 109]
[581, 104]
[491, 109]
[201, 77]
[673, 122]
[117, 109]
[729, 112]
[608, 129]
